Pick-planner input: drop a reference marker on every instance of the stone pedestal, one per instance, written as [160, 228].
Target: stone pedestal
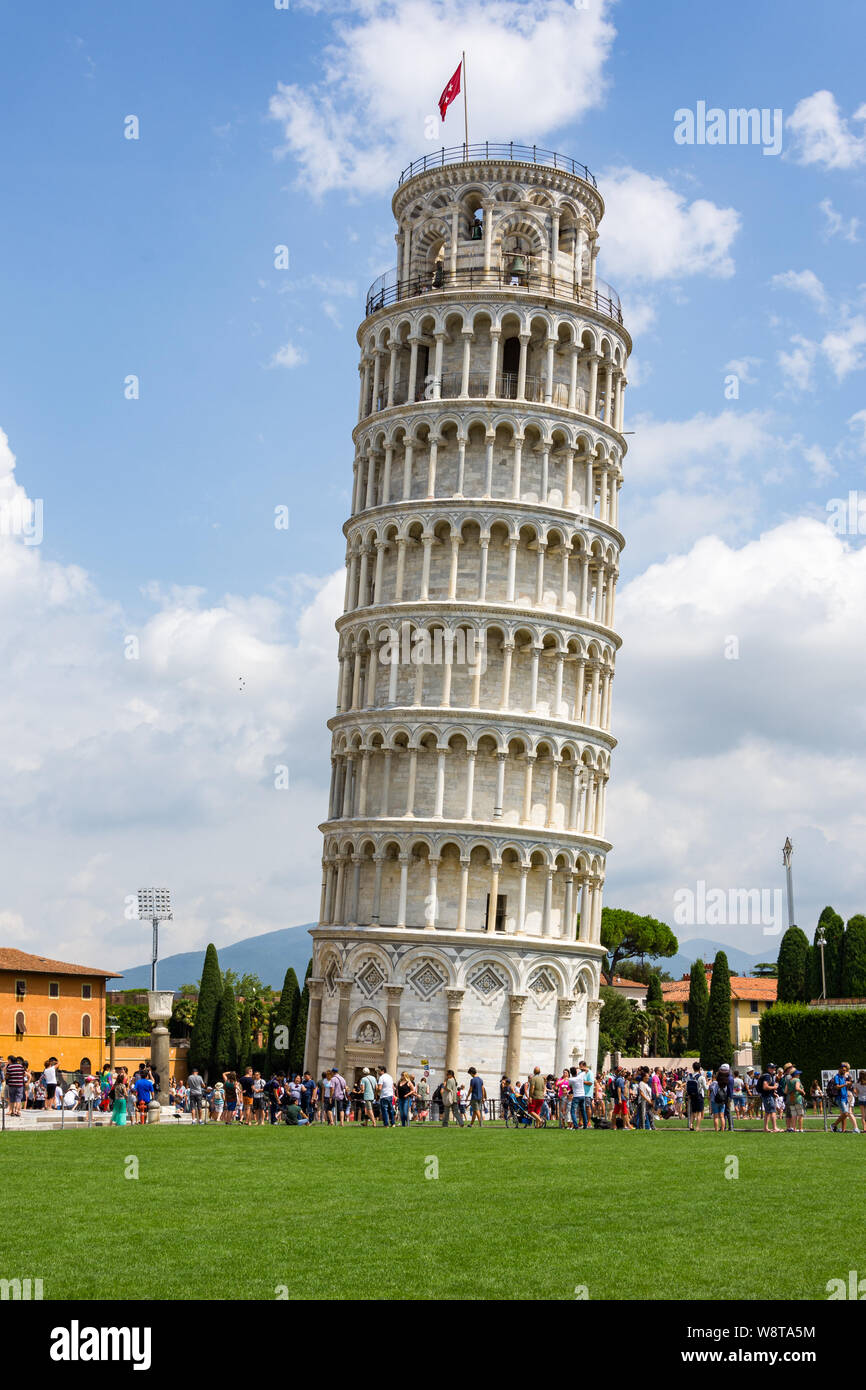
[159, 1006]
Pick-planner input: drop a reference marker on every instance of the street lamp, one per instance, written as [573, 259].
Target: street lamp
[154, 905]
[821, 940]
[113, 1025]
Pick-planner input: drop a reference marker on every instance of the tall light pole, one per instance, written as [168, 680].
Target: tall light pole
[787, 853]
[154, 905]
[821, 941]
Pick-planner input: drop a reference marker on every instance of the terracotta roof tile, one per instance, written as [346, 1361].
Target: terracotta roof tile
[744, 987]
[43, 965]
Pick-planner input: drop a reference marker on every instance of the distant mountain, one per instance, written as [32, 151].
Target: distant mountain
[268, 956]
[699, 948]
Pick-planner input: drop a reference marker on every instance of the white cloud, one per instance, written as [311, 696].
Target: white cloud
[651, 232]
[803, 282]
[798, 364]
[726, 757]
[822, 134]
[821, 466]
[288, 356]
[162, 768]
[858, 422]
[742, 367]
[844, 347]
[836, 225]
[368, 115]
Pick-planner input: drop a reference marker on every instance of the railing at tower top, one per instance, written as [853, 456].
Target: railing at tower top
[389, 289]
[515, 154]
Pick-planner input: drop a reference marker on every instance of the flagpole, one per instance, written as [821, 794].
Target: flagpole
[465, 106]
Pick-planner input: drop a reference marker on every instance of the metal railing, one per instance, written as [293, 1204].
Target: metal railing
[514, 154]
[389, 289]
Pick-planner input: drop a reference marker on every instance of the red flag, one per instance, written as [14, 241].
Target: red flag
[452, 91]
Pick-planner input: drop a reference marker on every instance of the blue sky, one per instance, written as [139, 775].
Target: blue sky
[155, 257]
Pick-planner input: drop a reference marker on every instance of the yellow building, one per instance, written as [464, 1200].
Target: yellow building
[49, 1008]
[750, 997]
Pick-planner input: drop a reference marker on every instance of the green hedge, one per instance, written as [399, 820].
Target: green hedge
[813, 1039]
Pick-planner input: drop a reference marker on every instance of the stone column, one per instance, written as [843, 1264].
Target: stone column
[345, 988]
[564, 1011]
[314, 1026]
[392, 1028]
[452, 1044]
[515, 1035]
[593, 1011]
[464, 893]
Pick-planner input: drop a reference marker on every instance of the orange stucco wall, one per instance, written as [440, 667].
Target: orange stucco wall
[69, 1045]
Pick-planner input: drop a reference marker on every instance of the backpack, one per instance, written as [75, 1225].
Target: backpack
[692, 1087]
[831, 1090]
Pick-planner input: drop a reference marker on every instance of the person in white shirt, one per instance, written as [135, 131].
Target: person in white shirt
[385, 1089]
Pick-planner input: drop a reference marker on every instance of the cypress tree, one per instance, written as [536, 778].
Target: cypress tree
[699, 999]
[201, 1043]
[853, 981]
[246, 1036]
[285, 1018]
[227, 1032]
[809, 975]
[834, 931]
[716, 1045]
[793, 981]
[297, 1060]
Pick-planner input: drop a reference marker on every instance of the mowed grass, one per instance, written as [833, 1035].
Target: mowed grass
[350, 1213]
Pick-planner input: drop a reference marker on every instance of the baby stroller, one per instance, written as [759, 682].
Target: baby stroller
[520, 1116]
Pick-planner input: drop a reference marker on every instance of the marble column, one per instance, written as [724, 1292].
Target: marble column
[345, 988]
[392, 1028]
[452, 1044]
[314, 1026]
[515, 1035]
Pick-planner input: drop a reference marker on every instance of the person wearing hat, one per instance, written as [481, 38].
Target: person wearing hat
[368, 1090]
[767, 1090]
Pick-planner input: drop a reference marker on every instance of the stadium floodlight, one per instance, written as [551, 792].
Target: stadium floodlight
[154, 905]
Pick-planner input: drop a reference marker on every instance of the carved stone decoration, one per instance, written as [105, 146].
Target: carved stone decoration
[594, 1008]
[542, 987]
[488, 982]
[332, 975]
[369, 1034]
[369, 978]
[425, 979]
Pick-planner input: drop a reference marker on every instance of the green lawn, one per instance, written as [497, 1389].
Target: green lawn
[235, 1213]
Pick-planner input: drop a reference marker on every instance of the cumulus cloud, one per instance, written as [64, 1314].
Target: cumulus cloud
[651, 232]
[804, 282]
[740, 720]
[837, 225]
[140, 752]
[371, 111]
[288, 356]
[822, 135]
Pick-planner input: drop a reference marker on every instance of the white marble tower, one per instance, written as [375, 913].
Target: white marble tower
[465, 849]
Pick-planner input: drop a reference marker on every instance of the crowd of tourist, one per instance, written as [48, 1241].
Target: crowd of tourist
[577, 1099]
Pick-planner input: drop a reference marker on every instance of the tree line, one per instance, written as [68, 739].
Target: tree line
[225, 1029]
[800, 974]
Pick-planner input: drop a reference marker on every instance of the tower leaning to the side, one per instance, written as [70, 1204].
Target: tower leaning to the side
[464, 849]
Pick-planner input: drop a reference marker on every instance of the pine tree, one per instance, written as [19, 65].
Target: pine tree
[201, 1043]
[284, 1020]
[246, 1036]
[716, 1045]
[853, 973]
[227, 1032]
[793, 981]
[297, 1059]
[699, 999]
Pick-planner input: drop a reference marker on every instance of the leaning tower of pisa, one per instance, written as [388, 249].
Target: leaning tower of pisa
[464, 849]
